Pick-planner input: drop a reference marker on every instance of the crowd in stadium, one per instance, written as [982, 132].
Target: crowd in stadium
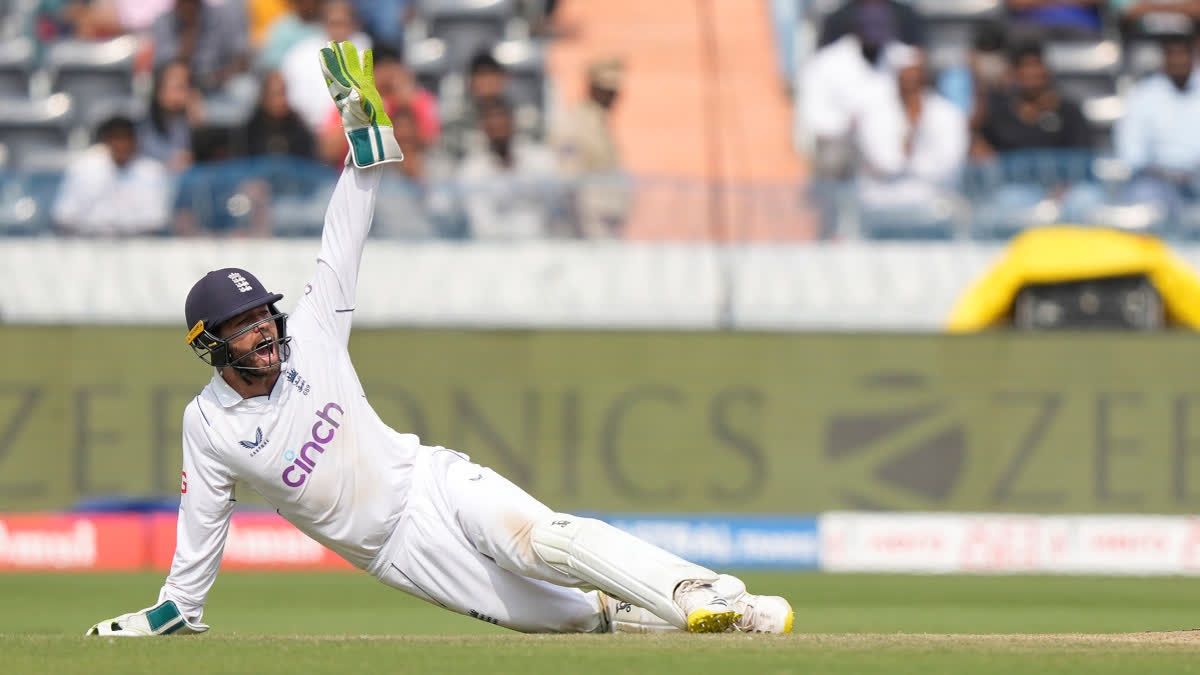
[234, 134]
[920, 118]
[931, 116]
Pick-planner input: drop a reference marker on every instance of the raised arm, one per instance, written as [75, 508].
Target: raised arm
[331, 295]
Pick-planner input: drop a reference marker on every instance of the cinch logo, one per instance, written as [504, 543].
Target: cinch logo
[240, 282]
[305, 461]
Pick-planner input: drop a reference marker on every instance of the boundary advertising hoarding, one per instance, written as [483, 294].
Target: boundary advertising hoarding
[670, 422]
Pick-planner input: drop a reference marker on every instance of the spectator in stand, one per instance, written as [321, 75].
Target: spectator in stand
[508, 188]
[56, 19]
[262, 15]
[212, 39]
[912, 143]
[175, 108]
[1031, 114]
[398, 88]
[110, 191]
[840, 77]
[302, 23]
[306, 89]
[1158, 138]
[405, 207]
[1055, 19]
[486, 78]
[589, 156]
[910, 27]
[385, 20]
[274, 128]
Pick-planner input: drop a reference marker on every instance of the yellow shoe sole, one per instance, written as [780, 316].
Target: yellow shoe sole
[705, 621]
[787, 623]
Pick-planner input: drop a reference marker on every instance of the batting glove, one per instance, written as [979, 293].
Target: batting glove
[367, 126]
[161, 619]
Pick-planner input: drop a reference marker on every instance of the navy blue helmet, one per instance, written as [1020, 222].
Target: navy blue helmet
[218, 297]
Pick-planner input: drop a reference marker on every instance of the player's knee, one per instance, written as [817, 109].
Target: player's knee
[551, 536]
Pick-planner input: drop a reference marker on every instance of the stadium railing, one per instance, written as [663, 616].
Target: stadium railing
[993, 201]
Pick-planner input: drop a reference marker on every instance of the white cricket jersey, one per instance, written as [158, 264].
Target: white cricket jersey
[314, 448]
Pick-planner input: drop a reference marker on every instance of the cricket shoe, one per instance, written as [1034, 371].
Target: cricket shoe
[756, 613]
[707, 611]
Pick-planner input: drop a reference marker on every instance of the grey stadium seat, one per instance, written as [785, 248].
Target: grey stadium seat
[16, 65]
[429, 62]
[1098, 59]
[92, 71]
[28, 128]
[525, 62]
[467, 26]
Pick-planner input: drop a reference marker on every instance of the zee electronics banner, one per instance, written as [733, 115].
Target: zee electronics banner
[671, 423]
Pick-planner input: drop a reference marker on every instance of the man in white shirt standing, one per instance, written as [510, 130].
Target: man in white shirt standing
[110, 191]
[912, 144]
[1158, 138]
[285, 414]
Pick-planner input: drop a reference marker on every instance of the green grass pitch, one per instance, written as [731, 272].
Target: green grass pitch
[347, 623]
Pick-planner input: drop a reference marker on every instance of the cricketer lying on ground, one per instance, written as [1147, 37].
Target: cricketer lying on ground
[423, 519]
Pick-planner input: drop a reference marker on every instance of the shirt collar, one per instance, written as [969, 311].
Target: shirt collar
[226, 396]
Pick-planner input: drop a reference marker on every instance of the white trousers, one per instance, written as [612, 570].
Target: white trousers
[463, 544]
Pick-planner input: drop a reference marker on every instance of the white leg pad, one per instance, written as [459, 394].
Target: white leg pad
[616, 562]
[626, 617]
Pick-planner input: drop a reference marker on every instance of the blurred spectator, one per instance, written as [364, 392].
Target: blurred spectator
[83, 19]
[212, 39]
[385, 20]
[507, 187]
[410, 202]
[985, 72]
[840, 77]
[1031, 114]
[587, 151]
[217, 197]
[302, 23]
[1158, 137]
[166, 132]
[274, 128]
[306, 88]
[912, 143]
[109, 190]
[398, 88]
[1059, 19]
[910, 28]
[486, 78]
[262, 15]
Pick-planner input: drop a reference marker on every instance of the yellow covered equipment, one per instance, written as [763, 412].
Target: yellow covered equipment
[1070, 253]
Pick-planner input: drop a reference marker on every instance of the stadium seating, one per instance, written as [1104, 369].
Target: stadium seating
[16, 65]
[92, 71]
[29, 127]
[466, 26]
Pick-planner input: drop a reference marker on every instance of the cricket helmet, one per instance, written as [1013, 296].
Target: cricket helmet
[218, 297]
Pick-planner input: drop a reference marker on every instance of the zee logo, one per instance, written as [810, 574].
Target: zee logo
[303, 460]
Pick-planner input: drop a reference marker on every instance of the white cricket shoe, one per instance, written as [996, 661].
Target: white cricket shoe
[707, 611]
[757, 613]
